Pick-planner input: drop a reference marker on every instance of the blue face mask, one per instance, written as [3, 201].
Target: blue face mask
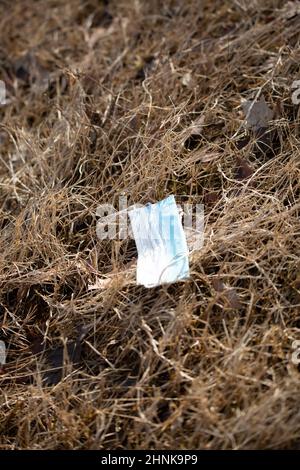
[161, 243]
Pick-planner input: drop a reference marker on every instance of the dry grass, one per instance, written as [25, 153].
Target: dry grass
[100, 101]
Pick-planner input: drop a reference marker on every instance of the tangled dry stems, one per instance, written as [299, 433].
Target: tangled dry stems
[102, 97]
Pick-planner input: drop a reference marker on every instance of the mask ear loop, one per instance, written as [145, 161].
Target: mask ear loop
[173, 261]
[106, 219]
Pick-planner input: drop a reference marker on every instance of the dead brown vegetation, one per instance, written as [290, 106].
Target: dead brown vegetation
[145, 99]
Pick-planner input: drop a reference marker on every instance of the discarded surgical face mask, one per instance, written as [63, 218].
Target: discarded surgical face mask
[161, 243]
[2, 353]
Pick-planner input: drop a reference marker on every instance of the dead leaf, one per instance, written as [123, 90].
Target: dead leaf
[2, 353]
[196, 126]
[187, 80]
[243, 170]
[218, 285]
[227, 295]
[232, 299]
[191, 136]
[211, 197]
[257, 114]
